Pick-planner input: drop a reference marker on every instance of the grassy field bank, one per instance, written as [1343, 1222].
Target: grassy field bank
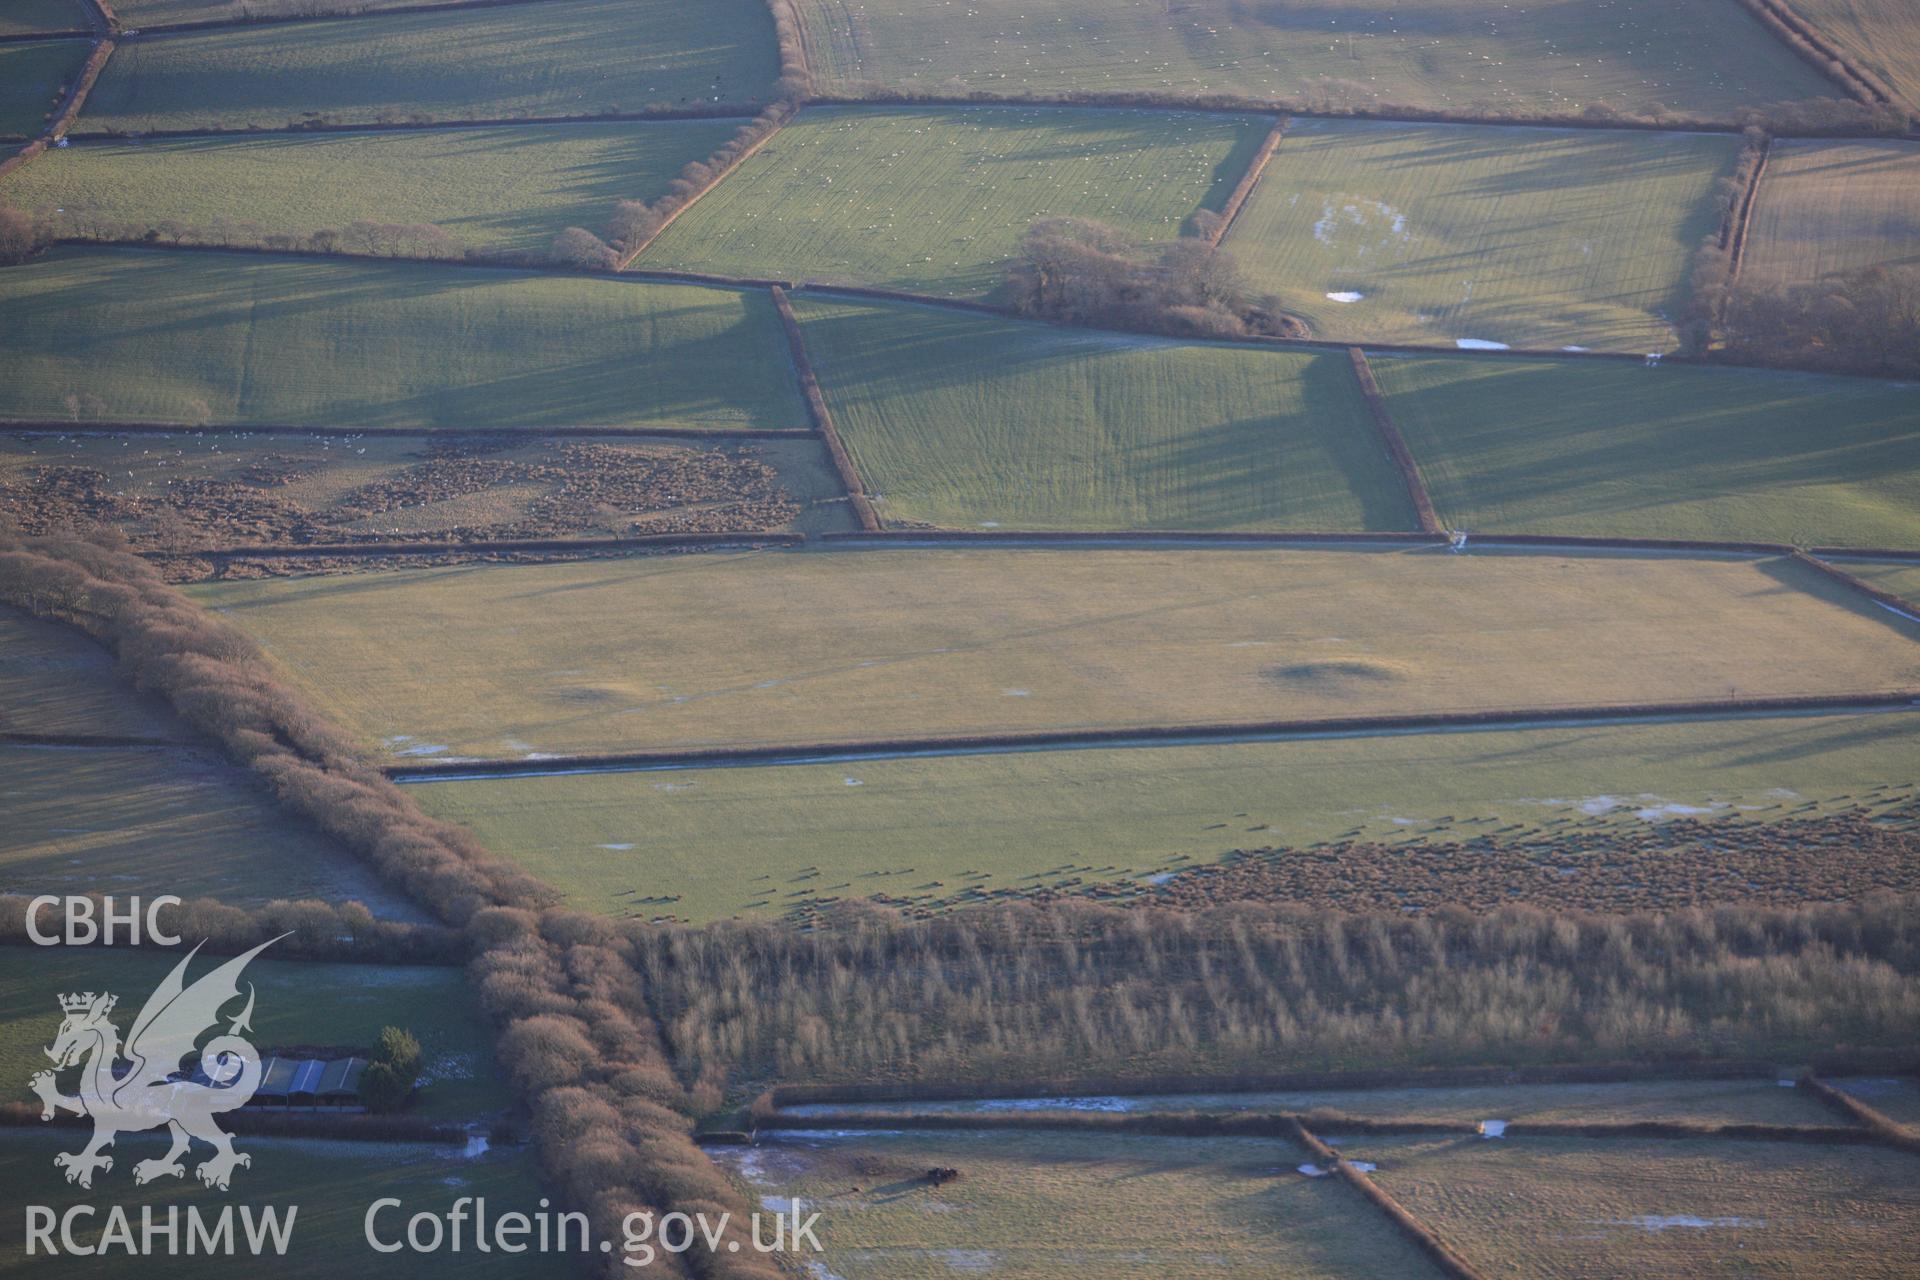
[1528, 237]
[298, 1005]
[1059, 1205]
[331, 1183]
[146, 821]
[1445, 54]
[933, 828]
[125, 335]
[1578, 1208]
[1881, 35]
[935, 199]
[559, 58]
[55, 680]
[496, 190]
[30, 79]
[965, 421]
[1693, 1101]
[1621, 450]
[786, 647]
[1827, 207]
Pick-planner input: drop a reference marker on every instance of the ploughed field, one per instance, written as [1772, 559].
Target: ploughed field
[1457, 55]
[798, 647]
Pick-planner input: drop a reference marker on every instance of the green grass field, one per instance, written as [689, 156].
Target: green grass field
[1697, 55]
[559, 58]
[1559, 1209]
[145, 821]
[963, 420]
[1527, 237]
[1747, 1101]
[297, 1005]
[935, 199]
[804, 647]
[331, 1184]
[127, 335]
[741, 841]
[1901, 579]
[496, 190]
[24, 16]
[1617, 449]
[1060, 1205]
[31, 76]
[1827, 206]
[153, 13]
[55, 680]
[1881, 35]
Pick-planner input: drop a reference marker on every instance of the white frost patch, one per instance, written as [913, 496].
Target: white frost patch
[1493, 1128]
[853, 782]
[1346, 295]
[989, 524]
[1594, 806]
[673, 786]
[1016, 693]
[1660, 812]
[1576, 349]
[1057, 1104]
[1364, 1166]
[1404, 822]
[968, 1260]
[424, 749]
[1161, 877]
[1666, 1222]
[617, 848]
[1788, 1084]
[1314, 1171]
[1480, 344]
[818, 1271]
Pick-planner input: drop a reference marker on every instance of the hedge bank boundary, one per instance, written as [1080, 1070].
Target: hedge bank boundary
[1151, 734]
[1814, 117]
[791, 1095]
[1817, 51]
[1395, 443]
[1222, 222]
[639, 542]
[1269, 1124]
[1884, 1127]
[823, 416]
[1422, 1236]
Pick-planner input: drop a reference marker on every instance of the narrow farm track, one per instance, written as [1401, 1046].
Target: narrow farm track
[1184, 735]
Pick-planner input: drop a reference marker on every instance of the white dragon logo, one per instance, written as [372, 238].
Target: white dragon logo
[151, 1090]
